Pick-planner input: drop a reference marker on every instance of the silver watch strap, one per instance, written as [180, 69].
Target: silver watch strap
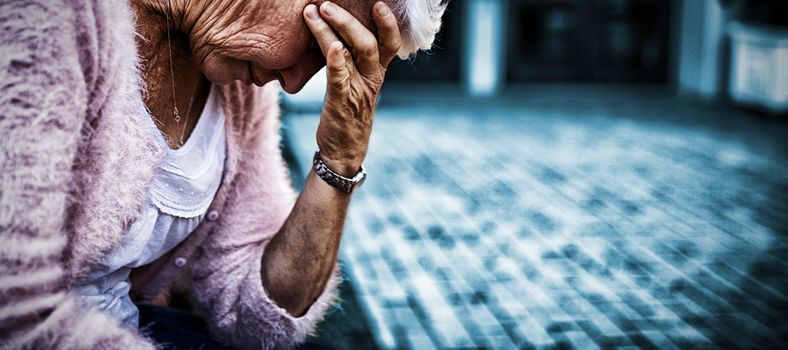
[342, 183]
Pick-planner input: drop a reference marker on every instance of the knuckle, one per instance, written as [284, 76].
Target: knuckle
[395, 43]
[368, 46]
[340, 76]
[366, 52]
[339, 83]
[346, 54]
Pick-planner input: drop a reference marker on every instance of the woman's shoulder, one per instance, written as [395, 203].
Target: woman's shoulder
[35, 31]
[91, 38]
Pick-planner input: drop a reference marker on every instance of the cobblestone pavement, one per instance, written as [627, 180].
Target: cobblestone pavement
[569, 224]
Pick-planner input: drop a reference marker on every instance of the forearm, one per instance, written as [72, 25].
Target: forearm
[299, 260]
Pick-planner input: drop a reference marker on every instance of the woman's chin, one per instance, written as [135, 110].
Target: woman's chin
[291, 90]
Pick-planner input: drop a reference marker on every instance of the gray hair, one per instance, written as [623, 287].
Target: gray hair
[422, 20]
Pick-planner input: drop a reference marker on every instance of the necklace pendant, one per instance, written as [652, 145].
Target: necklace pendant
[177, 116]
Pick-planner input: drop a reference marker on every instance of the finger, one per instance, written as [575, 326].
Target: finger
[337, 71]
[361, 40]
[322, 32]
[389, 36]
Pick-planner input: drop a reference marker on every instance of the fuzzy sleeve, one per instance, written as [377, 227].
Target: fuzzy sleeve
[226, 276]
[43, 98]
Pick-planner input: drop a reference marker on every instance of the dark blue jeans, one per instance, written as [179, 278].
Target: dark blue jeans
[176, 329]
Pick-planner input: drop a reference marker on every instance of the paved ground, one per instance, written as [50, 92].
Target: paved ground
[568, 219]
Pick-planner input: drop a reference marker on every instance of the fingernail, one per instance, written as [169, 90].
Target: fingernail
[311, 12]
[382, 9]
[336, 46]
[329, 9]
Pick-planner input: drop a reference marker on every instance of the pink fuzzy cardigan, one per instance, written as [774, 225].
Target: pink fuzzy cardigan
[75, 167]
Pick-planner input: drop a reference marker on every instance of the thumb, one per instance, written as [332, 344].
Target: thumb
[337, 70]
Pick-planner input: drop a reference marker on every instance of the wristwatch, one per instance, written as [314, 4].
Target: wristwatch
[342, 183]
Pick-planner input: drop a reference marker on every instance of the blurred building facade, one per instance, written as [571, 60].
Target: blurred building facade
[693, 46]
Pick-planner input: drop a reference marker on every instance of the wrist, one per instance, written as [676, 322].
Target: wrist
[344, 167]
[331, 176]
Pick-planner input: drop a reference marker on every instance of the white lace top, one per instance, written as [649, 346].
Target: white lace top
[183, 188]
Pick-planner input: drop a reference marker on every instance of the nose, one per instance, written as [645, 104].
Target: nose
[296, 76]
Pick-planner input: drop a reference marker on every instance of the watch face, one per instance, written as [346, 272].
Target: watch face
[361, 181]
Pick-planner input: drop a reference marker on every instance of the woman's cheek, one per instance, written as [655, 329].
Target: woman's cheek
[223, 71]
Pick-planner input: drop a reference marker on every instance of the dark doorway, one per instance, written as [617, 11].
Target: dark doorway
[588, 40]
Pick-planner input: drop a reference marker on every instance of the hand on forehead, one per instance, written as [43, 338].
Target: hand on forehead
[361, 9]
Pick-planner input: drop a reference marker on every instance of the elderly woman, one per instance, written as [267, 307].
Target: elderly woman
[136, 152]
